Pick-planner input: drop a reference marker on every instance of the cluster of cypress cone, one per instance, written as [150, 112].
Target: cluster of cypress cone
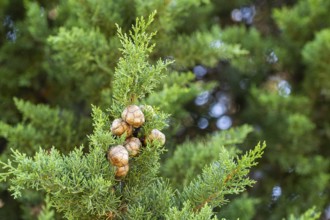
[132, 119]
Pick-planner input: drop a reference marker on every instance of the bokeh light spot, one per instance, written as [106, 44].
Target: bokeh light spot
[202, 98]
[277, 192]
[217, 109]
[199, 71]
[203, 123]
[224, 122]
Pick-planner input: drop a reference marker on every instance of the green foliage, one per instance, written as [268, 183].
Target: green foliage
[221, 178]
[172, 16]
[34, 37]
[285, 100]
[310, 214]
[41, 126]
[46, 213]
[175, 90]
[191, 157]
[67, 178]
[81, 65]
[291, 147]
[305, 19]
[307, 13]
[318, 72]
[82, 184]
[151, 202]
[256, 59]
[201, 45]
[102, 14]
[64, 54]
[193, 44]
[241, 208]
[21, 52]
[187, 213]
[135, 77]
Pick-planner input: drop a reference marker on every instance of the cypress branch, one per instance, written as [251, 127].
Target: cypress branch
[221, 178]
[135, 77]
[83, 185]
